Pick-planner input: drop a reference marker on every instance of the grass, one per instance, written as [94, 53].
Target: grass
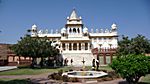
[30, 71]
[146, 79]
[14, 81]
[106, 68]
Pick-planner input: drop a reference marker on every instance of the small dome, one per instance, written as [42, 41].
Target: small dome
[85, 30]
[63, 30]
[106, 31]
[114, 26]
[80, 17]
[34, 27]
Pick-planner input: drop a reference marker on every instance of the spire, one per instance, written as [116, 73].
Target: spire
[73, 15]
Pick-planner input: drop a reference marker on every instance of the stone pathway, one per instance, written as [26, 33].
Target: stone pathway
[4, 68]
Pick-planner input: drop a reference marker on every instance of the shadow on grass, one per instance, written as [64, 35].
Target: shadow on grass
[16, 81]
[124, 82]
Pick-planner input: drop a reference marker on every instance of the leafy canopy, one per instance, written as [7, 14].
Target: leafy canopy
[131, 66]
[137, 45]
[34, 47]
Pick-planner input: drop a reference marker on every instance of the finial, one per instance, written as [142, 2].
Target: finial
[106, 31]
[73, 15]
[101, 30]
[56, 31]
[51, 31]
[92, 31]
[74, 8]
[80, 17]
[97, 31]
[46, 31]
[34, 26]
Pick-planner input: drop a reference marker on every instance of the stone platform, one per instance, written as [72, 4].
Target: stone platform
[78, 58]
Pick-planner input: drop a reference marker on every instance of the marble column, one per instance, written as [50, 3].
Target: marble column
[77, 46]
[88, 46]
[71, 46]
[82, 46]
[80, 30]
[68, 30]
[66, 46]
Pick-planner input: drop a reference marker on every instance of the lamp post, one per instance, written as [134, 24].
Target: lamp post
[83, 61]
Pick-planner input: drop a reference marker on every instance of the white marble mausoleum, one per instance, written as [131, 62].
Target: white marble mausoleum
[76, 41]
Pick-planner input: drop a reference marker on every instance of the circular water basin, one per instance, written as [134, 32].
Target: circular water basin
[85, 74]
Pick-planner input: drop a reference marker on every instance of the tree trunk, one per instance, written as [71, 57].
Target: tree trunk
[41, 62]
[33, 63]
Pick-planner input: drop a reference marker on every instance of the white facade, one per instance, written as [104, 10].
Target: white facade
[75, 41]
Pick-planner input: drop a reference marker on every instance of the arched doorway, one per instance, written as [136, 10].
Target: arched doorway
[74, 46]
[86, 46]
[74, 30]
[69, 46]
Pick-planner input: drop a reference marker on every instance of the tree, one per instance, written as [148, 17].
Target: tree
[46, 50]
[131, 67]
[34, 47]
[131, 62]
[140, 45]
[137, 45]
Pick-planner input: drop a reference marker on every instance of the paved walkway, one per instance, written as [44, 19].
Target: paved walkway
[4, 68]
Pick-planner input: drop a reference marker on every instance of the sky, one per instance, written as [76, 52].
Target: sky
[17, 16]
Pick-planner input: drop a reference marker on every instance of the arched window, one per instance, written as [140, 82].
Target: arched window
[86, 46]
[70, 30]
[63, 46]
[79, 46]
[78, 30]
[74, 30]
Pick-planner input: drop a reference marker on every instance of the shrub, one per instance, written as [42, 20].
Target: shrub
[57, 77]
[70, 69]
[132, 67]
[73, 80]
[113, 74]
[65, 78]
[60, 72]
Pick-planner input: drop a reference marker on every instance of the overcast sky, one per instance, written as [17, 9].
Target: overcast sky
[16, 16]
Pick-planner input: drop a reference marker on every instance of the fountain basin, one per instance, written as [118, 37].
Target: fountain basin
[85, 74]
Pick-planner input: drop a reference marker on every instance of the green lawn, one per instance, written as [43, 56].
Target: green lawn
[146, 79]
[105, 68]
[14, 81]
[29, 71]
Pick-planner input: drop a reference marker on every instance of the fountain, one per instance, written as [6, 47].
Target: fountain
[85, 74]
